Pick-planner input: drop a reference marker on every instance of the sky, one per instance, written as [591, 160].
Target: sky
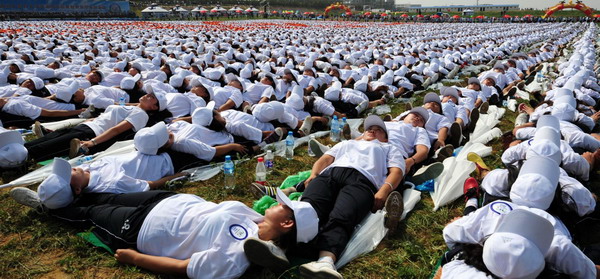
[536, 4]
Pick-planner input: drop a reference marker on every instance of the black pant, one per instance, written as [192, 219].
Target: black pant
[342, 198]
[57, 143]
[117, 218]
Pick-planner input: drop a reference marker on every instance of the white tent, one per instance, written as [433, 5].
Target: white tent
[154, 11]
[178, 10]
[199, 10]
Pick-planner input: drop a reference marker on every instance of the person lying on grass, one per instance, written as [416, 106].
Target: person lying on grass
[183, 234]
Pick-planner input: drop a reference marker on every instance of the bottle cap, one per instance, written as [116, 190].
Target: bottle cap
[228, 157]
[290, 133]
[260, 159]
[269, 152]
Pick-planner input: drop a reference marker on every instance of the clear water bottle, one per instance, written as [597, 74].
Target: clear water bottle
[261, 172]
[269, 161]
[122, 101]
[334, 132]
[84, 160]
[342, 125]
[289, 146]
[310, 152]
[539, 77]
[228, 171]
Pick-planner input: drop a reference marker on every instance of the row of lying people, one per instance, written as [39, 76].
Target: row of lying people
[542, 203]
[345, 156]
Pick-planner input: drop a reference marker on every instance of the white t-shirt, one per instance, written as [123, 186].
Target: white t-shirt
[21, 107]
[104, 96]
[113, 115]
[257, 91]
[406, 137]
[127, 173]
[371, 158]
[210, 235]
[235, 116]
[47, 103]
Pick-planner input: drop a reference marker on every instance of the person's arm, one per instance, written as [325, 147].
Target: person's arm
[318, 167]
[109, 134]
[441, 141]
[161, 182]
[227, 105]
[156, 264]
[528, 124]
[60, 113]
[184, 118]
[421, 152]
[391, 182]
[226, 148]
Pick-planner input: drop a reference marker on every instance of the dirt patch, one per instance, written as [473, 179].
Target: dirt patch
[5, 239]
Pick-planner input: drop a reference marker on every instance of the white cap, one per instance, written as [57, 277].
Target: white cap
[536, 184]
[374, 120]
[148, 140]
[449, 91]
[333, 92]
[128, 83]
[38, 82]
[422, 112]
[548, 121]
[265, 112]
[160, 97]
[55, 191]
[66, 94]
[307, 220]
[203, 116]
[563, 111]
[517, 248]
[12, 151]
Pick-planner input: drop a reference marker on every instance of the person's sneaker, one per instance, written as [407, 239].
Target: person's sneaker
[435, 78]
[455, 135]
[484, 107]
[407, 94]
[479, 164]
[521, 85]
[346, 132]
[427, 83]
[272, 137]
[37, 129]
[444, 152]
[259, 190]
[74, 147]
[453, 72]
[26, 197]
[388, 118]
[317, 148]
[529, 78]
[266, 254]
[306, 125]
[473, 118]
[471, 189]
[426, 173]
[362, 106]
[88, 112]
[522, 108]
[247, 109]
[319, 270]
[314, 94]
[511, 92]
[394, 207]
[408, 107]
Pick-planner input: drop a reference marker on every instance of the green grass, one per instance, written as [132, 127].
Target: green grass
[34, 245]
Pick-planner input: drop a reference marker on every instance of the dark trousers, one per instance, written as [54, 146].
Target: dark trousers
[11, 120]
[57, 143]
[117, 218]
[342, 198]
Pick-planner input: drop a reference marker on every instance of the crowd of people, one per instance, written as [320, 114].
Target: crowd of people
[189, 94]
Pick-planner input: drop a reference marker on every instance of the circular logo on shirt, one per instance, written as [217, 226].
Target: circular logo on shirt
[500, 207]
[238, 232]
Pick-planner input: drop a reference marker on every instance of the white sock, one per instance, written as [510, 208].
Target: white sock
[326, 259]
[472, 202]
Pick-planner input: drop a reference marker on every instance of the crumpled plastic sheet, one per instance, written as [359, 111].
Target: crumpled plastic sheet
[53, 126]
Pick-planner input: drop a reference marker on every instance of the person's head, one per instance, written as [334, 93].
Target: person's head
[152, 101]
[78, 96]
[62, 185]
[308, 72]
[287, 75]
[151, 140]
[474, 84]
[375, 129]
[268, 80]
[449, 94]
[295, 219]
[417, 117]
[94, 77]
[236, 83]
[12, 150]
[202, 92]
[519, 244]
[593, 158]
[489, 81]
[432, 102]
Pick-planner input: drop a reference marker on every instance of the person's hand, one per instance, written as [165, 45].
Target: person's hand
[87, 144]
[596, 116]
[380, 198]
[308, 180]
[126, 256]
[239, 148]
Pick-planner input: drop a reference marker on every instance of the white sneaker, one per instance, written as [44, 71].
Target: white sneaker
[319, 270]
[26, 197]
[37, 129]
[266, 254]
[317, 148]
[306, 125]
[362, 106]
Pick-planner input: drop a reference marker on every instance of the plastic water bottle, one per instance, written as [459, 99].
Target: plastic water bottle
[269, 161]
[289, 146]
[84, 160]
[122, 101]
[228, 170]
[344, 122]
[539, 77]
[309, 151]
[261, 172]
[335, 129]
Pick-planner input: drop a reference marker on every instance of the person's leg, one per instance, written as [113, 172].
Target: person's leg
[56, 144]
[321, 193]
[182, 161]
